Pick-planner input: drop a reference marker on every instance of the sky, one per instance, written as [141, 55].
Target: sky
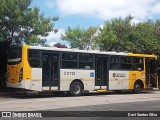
[85, 13]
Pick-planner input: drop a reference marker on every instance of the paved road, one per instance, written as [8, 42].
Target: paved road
[39, 102]
[44, 102]
[149, 101]
[131, 106]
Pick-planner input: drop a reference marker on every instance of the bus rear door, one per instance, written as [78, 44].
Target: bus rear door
[50, 70]
[101, 70]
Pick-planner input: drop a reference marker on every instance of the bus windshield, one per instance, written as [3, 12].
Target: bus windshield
[14, 55]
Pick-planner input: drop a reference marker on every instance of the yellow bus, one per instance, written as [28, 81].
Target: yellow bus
[75, 71]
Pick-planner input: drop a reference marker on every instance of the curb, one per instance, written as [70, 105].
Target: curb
[5, 93]
[155, 89]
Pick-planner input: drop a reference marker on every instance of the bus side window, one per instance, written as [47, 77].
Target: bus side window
[85, 61]
[114, 62]
[113, 66]
[138, 64]
[125, 63]
[34, 58]
[69, 60]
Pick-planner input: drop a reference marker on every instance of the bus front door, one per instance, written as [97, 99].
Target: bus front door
[101, 73]
[50, 71]
[151, 72]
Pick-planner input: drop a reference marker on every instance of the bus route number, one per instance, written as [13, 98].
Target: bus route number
[69, 73]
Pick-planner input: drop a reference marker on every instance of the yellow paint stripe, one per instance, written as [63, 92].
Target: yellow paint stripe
[101, 90]
[142, 55]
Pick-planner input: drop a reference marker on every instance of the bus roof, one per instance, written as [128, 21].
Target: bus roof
[142, 55]
[91, 51]
[79, 51]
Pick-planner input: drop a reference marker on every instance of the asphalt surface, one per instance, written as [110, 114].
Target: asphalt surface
[134, 107]
[131, 106]
[104, 102]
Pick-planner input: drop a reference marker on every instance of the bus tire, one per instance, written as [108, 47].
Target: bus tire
[117, 91]
[76, 89]
[137, 88]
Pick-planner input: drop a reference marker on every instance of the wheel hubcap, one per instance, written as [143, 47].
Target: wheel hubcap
[76, 89]
[138, 88]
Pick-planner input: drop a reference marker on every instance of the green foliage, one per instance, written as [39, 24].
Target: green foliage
[90, 37]
[118, 35]
[20, 23]
[106, 38]
[74, 37]
[81, 38]
[115, 35]
[146, 41]
[122, 35]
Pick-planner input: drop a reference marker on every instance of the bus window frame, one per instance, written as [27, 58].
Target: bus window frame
[117, 63]
[62, 60]
[92, 61]
[129, 63]
[143, 63]
[40, 58]
[17, 62]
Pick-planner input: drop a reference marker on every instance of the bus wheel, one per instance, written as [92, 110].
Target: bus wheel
[137, 88]
[117, 91]
[76, 89]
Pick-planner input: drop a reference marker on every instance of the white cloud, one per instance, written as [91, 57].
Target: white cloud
[52, 43]
[55, 36]
[107, 9]
[156, 8]
[50, 4]
[135, 21]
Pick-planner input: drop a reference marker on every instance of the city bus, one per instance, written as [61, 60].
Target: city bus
[75, 71]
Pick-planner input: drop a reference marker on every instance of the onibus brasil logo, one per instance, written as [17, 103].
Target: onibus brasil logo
[21, 114]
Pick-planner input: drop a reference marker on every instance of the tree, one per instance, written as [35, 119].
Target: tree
[20, 23]
[106, 39]
[118, 34]
[60, 45]
[115, 35]
[90, 38]
[80, 38]
[145, 38]
[74, 37]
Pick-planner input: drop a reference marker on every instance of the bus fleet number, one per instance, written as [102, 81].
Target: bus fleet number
[69, 73]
